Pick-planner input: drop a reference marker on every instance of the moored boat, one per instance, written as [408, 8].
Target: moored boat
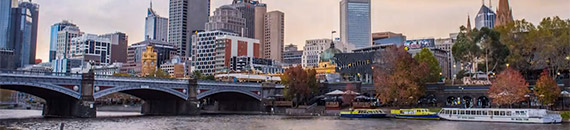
[416, 113]
[363, 113]
[500, 115]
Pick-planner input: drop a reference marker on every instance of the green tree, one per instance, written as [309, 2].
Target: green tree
[515, 36]
[465, 48]
[197, 74]
[494, 51]
[161, 74]
[208, 77]
[547, 89]
[426, 56]
[553, 36]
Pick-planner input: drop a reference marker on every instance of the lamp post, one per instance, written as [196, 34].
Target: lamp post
[564, 94]
[454, 75]
[541, 96]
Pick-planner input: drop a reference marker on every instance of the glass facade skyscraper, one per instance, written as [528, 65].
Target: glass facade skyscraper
[355, 24]
[5, 7]
[24, 24]
[485, 18]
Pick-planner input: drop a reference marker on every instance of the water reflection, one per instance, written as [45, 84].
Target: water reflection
[248, 122]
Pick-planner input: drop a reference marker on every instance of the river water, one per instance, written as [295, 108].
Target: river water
[31, 119]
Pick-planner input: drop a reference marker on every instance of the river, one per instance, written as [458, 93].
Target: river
[31, 119]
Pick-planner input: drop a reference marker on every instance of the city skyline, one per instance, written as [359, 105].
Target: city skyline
[106, 16]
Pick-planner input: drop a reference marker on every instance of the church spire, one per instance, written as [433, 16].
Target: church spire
[504, 13]
[468, 23]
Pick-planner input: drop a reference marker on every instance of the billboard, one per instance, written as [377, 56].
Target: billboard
[420, 43]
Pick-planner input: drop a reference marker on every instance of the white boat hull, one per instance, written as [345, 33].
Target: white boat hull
[544, 120]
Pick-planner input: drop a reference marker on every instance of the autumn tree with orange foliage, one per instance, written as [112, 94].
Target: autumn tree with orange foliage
[349, 95]
[508, 88]
[548, 87]
[299, 84]
[399, 79]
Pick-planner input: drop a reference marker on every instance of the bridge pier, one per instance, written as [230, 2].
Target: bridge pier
[77, 108]
[174, 107]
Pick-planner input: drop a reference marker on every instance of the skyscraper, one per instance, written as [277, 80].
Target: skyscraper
[5, 8]
[55, 28]
[355, 23]
[485, 18]
[259, 28]
[156, 27]
[118, 46]
[247, 9]
[227, 18]
[274, 35]
[185, 17]
[504, 13]
[24, 23]
[63, 42]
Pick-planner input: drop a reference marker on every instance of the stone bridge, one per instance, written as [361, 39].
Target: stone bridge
[73, 95]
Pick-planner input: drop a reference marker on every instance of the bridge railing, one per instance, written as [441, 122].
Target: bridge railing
[138, 78]
[38, 73]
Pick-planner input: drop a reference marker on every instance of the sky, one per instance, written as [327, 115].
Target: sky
[304, 19]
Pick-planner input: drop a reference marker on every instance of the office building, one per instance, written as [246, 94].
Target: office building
[247, 9]
[504, 13]
[292, 56]
[185, 17]
[119, 42]
[55, 29]
[254, 65]
[355, 24]
[63, 42]
[228, 46]
[388, 38]
[485, 18]
[176, 68]
[204, 51]
[5, 22]
[156, 27]
[135, 52]
[91, 48]
[227, 18]
[23, 33]
[259, 28]
[274, 35]
[7, 59]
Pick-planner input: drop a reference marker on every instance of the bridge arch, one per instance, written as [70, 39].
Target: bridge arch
[144, 92]
[212, 92]
[42, 90]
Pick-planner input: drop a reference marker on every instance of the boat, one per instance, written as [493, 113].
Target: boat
[500, 115]
[363, 113]
[416, 113]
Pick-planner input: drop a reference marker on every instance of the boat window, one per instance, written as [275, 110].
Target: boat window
[523, 112]
[454, 111]
[478, 112]
[484, 113]
[508, 113]
[462, 112]
[447, 112]
[496, 113]
[502, 113]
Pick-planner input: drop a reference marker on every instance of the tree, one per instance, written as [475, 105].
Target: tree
[515, 36]
[197, 74]
[425, 55]
[547, 89]
[295, 80]
[312, 81]
[161, 74]
[208, 77]
[494, 51]
[465, 48]
[508, 88]
[553, 36]
[400, 79]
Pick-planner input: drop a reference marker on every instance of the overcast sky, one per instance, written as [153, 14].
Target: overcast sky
[304, 19]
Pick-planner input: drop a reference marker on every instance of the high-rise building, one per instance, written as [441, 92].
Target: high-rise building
[274, 35]
[504, 13]
[355, 24]
[156, 27]
[204, 50]
[259, 28]
[228, 46]
[23, 31]
[91, 48]
[55, 28]
[227, 18]
[485, 18]
[185, 17]
[119, 42]
[247, 9]
[64, 41]
[5, 14]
